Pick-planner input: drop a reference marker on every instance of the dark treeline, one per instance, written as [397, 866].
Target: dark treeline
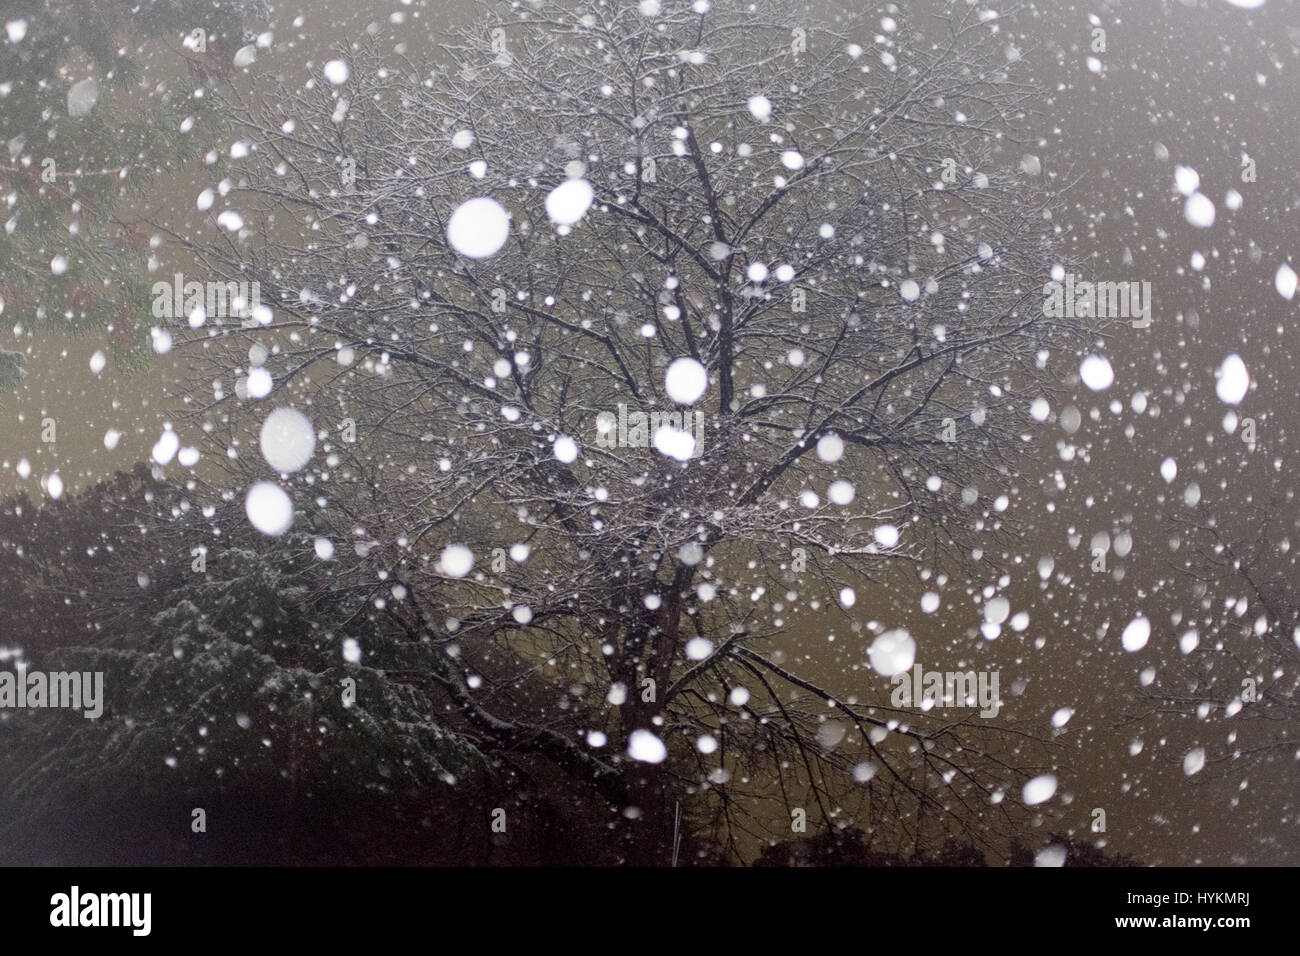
[223, 692]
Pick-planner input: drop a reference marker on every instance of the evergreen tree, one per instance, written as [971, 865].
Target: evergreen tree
[243, 684]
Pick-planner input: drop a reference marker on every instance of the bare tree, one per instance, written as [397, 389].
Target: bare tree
[842, 238]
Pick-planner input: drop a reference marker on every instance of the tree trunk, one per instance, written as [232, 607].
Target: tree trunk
[648, 837]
